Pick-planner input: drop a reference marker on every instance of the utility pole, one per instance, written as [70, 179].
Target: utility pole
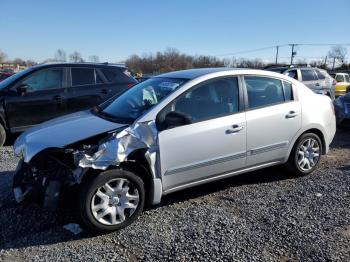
[325, 62]
[293, 54]
[277, 54]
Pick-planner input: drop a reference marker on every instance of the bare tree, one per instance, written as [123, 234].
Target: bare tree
[60, 55]
[30, 62]
[338, 53]
[2, 56]
[75, 57]
[94, 59]
[19, 61]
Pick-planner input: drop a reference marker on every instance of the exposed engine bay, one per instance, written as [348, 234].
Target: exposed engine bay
[54, 169]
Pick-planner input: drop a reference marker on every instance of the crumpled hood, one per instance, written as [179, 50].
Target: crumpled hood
[60, 132]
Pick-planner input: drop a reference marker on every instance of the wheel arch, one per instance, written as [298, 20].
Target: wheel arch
[311, 129]
[136, 163]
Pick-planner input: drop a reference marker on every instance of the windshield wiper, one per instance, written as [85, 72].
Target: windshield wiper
[98, 110]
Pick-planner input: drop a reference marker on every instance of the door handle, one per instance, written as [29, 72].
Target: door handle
[235, 129]
[291, 114]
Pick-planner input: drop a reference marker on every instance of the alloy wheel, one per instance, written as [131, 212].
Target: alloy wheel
[308, 154]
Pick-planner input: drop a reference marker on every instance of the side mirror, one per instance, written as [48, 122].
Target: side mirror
[22, 89]
[173, 119]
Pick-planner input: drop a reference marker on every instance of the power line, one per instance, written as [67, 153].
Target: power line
[275, 46]
[250, 51]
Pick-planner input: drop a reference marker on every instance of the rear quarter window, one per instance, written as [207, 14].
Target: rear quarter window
[116, 75]
[320, 75]
[308, 75]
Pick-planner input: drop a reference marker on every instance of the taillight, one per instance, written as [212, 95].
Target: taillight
[130, 85]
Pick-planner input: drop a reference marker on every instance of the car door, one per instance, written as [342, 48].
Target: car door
[87, 89]
[37, 98]
[273, 118]
[213, 144]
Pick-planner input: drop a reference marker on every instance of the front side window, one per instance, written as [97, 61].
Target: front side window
[212, 99]
[263, 91]
[339, 78]
[44, 79]
[83, 76]
[136, 101]
[308, 75]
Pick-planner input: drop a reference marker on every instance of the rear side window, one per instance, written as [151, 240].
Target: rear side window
[308, 75]
[288, 91]
[263, 91]
[212, 99]
[83, 76]
[320, 75]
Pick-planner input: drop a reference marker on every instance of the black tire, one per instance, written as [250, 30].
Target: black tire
[292, 164]
[2, 135]
[89, 190]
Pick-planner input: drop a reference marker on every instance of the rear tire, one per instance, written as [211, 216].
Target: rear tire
[112, 201]
[305, 155]
[2, 135]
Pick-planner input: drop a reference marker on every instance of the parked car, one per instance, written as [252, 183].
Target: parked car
[342, 109]
[343, 83]
[46, 91]
[171, 132]
[318, 80]
[4, 75]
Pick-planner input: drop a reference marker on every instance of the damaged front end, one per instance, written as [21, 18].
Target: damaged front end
[44, 177]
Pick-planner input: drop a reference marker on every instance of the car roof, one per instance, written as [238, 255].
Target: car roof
[78, 65]
[194, 73]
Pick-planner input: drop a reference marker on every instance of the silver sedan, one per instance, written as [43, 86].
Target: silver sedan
[171, 132]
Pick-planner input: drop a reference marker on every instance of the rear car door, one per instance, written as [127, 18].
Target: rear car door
[213, 144]
[37, 98]
[273, 118]
[87, 89]
[91, 86]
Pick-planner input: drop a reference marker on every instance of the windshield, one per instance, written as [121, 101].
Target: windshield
[136, 101]
[14, 77]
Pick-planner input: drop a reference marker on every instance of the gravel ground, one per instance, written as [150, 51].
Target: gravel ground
[260, 216]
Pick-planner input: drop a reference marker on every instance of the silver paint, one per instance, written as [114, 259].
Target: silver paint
[60, 132]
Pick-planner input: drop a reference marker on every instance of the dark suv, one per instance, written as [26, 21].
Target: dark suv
[42, 92]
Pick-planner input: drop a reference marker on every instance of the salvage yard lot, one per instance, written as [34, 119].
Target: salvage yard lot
[263, 215]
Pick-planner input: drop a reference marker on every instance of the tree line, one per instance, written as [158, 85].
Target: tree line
[171, 59]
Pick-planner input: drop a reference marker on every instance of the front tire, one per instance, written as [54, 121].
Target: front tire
[305, 155]
[112, 201]
[2, 135]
